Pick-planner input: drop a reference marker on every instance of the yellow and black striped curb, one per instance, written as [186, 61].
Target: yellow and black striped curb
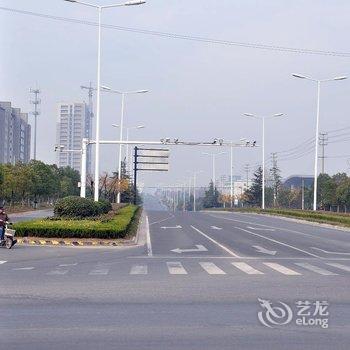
[70, 243]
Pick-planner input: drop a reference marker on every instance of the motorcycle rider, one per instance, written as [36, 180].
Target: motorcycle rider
[3, 219]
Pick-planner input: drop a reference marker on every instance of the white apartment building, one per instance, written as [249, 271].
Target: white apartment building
[72, 126]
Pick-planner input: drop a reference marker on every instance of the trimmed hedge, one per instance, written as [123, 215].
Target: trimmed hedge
[331, 218]
[116, 227]
[76, 207]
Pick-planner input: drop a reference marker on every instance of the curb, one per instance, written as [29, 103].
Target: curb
[42, 242]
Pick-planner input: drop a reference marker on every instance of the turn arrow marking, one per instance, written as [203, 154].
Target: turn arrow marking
[166, 227]
[200, 248]
[264, 250]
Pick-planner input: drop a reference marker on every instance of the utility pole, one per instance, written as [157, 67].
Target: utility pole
[302, 193]
[36, 102]
[274, 167]
[88, 122]
[323, 140]
[246, 169]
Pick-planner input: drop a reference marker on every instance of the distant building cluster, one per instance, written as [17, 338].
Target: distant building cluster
[73, 124]
[15, 135]
[239, 185]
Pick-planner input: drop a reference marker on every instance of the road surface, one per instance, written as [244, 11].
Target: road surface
[194, 285]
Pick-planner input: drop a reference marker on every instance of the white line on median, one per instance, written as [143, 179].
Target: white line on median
[278, 242]
[217, 243]
[148, 237]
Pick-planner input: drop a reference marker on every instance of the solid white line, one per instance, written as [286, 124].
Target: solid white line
[316, 269]
[139, 270]
[211, 268]
[148, 237]
[247, 268]
[217, 243]
[340, 266]
[282, 269]
[176, 268]
[23, 268]
[278, 242]
[3, 262]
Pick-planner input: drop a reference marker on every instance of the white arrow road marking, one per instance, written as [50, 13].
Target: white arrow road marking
[327, 252]
[216, 228]
[264, 250]
[200, 248]
[3, 262]
[171, 227]
[261, 229]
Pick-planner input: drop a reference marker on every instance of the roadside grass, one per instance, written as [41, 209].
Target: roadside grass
[122, 224]
[339, 219]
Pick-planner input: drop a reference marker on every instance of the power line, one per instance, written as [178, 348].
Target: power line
[186, 37]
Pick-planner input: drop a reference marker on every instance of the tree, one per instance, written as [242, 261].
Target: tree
[326, 191]
[276, 177]
[254, 193]
[343, 194]
[211, 197]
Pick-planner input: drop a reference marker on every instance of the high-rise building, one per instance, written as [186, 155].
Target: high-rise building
[72, 126]
[15, 133]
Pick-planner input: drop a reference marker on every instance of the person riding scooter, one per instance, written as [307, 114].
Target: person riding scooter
[3, 219]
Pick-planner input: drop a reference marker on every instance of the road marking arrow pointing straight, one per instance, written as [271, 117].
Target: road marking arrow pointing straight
[260, 229]
[216, 228]
[173, 227]
[200, 248]
[264, 250]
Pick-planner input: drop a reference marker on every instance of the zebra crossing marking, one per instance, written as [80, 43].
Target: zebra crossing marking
[340, 266]
[246, 268]
[3, 262]
[316, 269]
[139, 270]
[57, 272]
[176, 268]
[99, 271]
[282, 269]
[211, 268]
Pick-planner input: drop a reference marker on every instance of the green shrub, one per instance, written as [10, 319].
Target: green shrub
[104, 206]
[119, 226]
[73, 206]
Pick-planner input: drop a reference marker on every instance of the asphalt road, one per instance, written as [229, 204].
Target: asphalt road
[194, 285]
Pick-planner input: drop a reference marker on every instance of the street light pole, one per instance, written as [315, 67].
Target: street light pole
[98, 102]
[213, 156]
[263, 150]
[317, 126]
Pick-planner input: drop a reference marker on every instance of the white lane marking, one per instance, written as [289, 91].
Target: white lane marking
[158, 222]
[57, 272]
[217, 243]
[23, 268]
[139, 270]
[247, 268]
[328, 252]
[316, 269]
[340, 266]
[279, 242]
[171, 227]
[261, 229]
[148, 239]
[282, 269]
[66, 265]
[211, 268]
[99, 271]
[264, 250]
[216, 228]
[3, 262]
[200, 248]
[176, 268]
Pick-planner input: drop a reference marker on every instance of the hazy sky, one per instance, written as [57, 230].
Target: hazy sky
[198, 90]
